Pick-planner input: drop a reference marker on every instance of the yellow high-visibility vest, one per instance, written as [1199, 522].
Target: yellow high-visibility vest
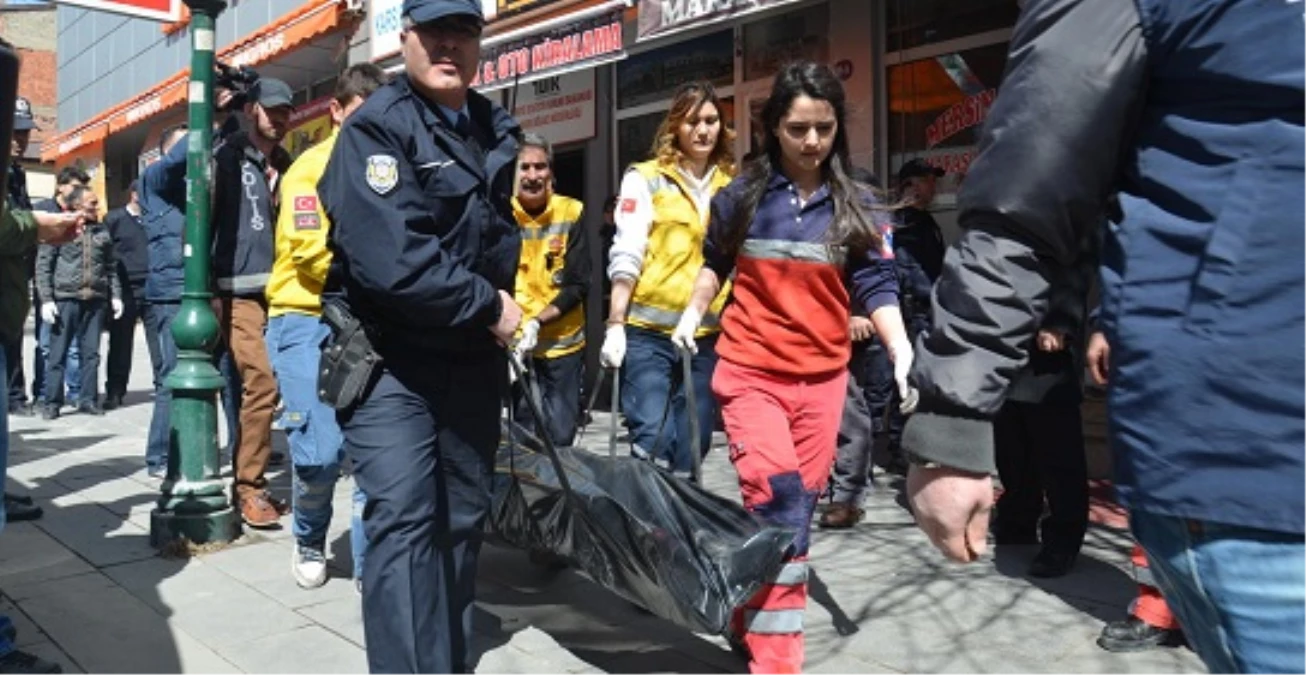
[544, 240]
[674, 254]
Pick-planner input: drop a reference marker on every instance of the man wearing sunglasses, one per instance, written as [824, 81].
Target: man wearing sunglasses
[425, 251]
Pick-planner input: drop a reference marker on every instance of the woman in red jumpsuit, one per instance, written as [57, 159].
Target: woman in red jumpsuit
[804, 242]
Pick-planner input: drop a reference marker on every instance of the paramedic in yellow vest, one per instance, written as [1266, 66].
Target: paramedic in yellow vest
[662, 215]
[552, 282]
[294, 336]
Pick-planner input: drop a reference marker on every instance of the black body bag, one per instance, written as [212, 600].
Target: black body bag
[663, 543]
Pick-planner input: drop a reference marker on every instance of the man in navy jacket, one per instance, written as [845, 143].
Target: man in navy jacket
[1191, 112]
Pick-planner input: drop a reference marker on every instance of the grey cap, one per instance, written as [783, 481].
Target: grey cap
[424, 11]
[23, 119]
[270, 92]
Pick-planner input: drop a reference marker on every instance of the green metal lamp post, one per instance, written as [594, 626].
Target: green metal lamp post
[194, 506]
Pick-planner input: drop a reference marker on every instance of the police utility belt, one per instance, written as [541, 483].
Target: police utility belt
[349, 364]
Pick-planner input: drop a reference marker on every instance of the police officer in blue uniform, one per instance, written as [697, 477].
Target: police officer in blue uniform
[425, 251]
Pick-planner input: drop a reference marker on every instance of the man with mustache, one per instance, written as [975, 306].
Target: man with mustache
[424, 253]
[552, 282]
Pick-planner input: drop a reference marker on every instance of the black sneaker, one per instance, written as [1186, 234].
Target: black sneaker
[22, 409]
[50, 411]
[1135, 635]
[112, 402]
[26, 500]
[23, 662]
[90, 409]
[17, 512]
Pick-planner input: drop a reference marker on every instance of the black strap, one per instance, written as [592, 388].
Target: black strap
[532, 400]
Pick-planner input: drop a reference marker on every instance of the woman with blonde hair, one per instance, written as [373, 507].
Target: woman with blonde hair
[661, 217]
[803, 244]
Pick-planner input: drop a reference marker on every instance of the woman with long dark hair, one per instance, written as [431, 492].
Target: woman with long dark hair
[661, 219]
[804, 241]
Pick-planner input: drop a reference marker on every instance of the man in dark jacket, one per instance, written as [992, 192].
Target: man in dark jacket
[24, 123]
[1190, 110]
[130, 247]
[68, 179]
[78, 286]
[163, 217]
[424, 251]
[1038, 435]
[247, 166]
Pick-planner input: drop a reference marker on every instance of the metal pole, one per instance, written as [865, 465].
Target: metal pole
[194, 505]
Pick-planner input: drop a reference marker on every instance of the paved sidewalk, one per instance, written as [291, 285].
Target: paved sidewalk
[86, 589]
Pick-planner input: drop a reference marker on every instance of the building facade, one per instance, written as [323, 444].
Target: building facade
[593, 76]
[31, 29]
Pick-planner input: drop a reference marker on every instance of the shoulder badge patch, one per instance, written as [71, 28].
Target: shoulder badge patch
[382, 173]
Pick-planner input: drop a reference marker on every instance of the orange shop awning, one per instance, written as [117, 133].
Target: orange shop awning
[286, 34]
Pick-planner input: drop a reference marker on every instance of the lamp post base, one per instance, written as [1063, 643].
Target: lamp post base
[197, 528]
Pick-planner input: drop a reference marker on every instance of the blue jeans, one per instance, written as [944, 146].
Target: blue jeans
[1239, 592]
[6, 626]
[652, 377]
[159, 316]
[72, 376]
[316, 445]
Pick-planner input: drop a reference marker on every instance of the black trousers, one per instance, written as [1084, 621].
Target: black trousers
[17, 380]
[558, 380]
[423, 443]
[1040, 456]
[80, 320]
[122, 339]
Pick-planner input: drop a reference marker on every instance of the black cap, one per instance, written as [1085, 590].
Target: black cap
[918, 167]
[23, 120]
[270, 92]
[425, 11]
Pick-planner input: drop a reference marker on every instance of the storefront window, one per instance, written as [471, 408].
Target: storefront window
[912, 23]
[937, 106]
[795, 36]
[654, 75]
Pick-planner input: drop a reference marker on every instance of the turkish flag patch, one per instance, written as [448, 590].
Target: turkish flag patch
[628, 206]
[306, 203]
[307, 221]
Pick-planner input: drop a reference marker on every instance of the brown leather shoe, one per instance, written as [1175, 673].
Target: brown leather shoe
[258, 511]
[841, 516]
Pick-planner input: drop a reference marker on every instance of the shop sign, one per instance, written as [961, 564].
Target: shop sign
[960, 116]
[662, 17]
[385, 23]
[310, 124]
[510, 7]
[260, 50]
[559, 108]
[567, 47]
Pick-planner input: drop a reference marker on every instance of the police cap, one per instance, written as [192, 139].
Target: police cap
[425, 11]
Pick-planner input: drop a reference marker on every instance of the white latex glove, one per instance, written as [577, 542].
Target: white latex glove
[614, 346]
[116, 304]
[50, 313]
[902, 355]
[683, 336]
[530, 336]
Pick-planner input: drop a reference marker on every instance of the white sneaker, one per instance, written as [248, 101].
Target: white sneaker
[308, 565]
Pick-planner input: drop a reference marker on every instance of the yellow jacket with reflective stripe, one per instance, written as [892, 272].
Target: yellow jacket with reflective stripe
[544, 240]
[674, 254]
[302, 258]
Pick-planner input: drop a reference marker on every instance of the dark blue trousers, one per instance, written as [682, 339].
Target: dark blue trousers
[423, 443]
